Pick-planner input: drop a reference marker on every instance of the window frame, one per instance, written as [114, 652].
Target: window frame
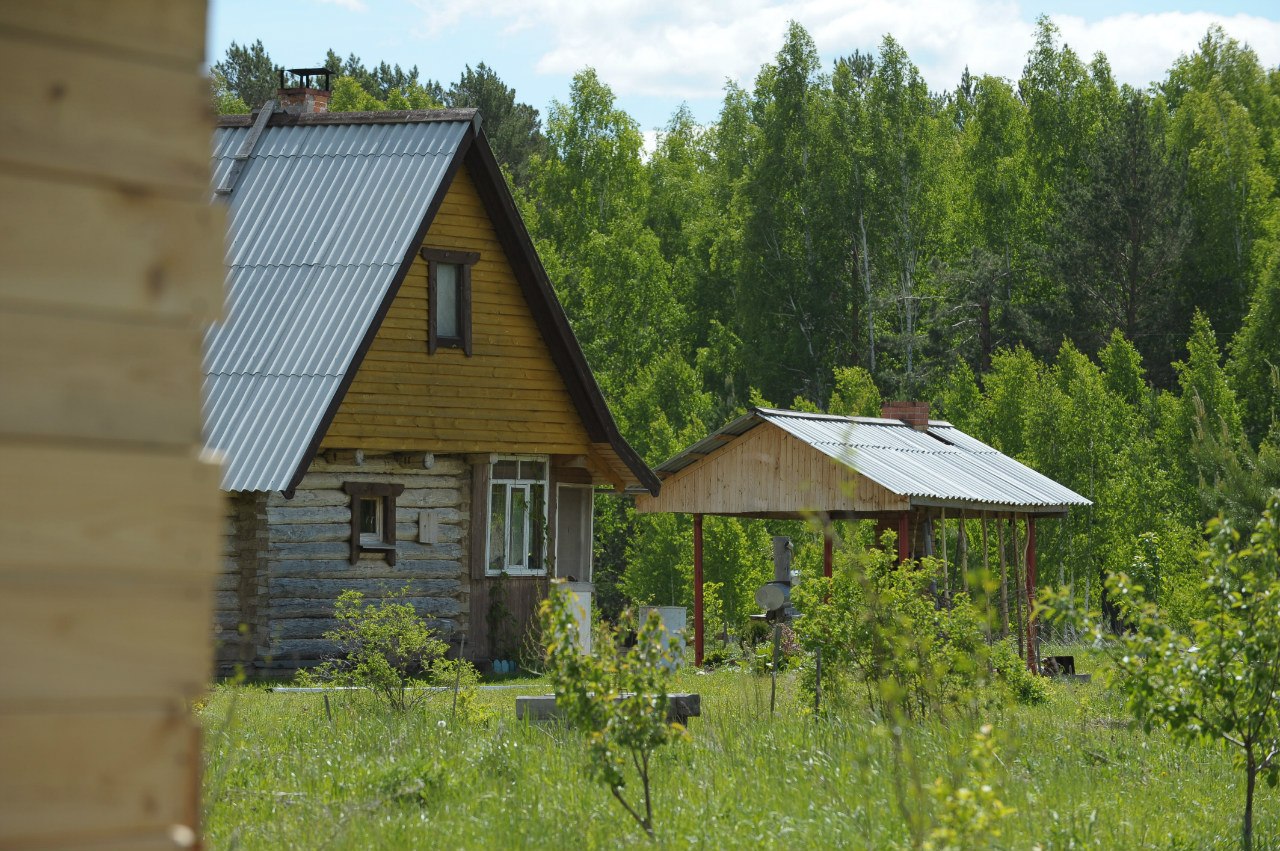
[384, 541]
[464, 260]
[526, 485]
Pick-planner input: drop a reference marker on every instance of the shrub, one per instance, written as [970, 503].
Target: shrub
[877, 621]
[389, 650]
[619, 699]
[1219, 679]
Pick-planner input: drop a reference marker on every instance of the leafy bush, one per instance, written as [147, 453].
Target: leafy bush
[619, 699]
[880, 628]
[1219, 679]
[391, 651]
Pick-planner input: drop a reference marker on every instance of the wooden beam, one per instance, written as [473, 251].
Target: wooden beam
[697, 590]
[827, 545]
[1033, 656]
[904, 541]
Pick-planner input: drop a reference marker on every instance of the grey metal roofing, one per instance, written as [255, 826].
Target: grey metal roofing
[942, 464]
[320, 219]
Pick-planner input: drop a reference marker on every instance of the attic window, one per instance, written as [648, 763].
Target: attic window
[449, 298]
[373, 518]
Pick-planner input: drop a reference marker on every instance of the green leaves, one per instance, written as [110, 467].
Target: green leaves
[386, 648]
[617, 697]
[1220, 679]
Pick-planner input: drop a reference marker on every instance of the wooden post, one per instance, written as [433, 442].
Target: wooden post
[903, 541]
[697, 590]
[827, 542]
[986, 574]
[1033, 654]
[946, 574]
[1020, 624]
[962, 552]
[1004, 581]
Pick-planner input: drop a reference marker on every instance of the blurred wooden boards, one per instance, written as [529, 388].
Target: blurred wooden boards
[135, 249]
[110, 522]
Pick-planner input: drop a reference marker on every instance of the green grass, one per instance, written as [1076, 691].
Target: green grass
[279, 775]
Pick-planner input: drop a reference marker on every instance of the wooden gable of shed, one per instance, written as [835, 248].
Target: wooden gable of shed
[767, 472]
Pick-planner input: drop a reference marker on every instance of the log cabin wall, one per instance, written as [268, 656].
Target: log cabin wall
[309, 565]
[240, 598]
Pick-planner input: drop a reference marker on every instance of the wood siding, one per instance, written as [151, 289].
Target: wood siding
[507, 397]
[113, 264]
[768, 472]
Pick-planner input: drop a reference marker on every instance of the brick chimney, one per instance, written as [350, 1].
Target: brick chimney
[305, 95]
[914, 414]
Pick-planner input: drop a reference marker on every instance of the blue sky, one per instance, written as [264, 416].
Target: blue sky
[657, 53]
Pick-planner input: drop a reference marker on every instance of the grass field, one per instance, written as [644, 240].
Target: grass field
[279, 774]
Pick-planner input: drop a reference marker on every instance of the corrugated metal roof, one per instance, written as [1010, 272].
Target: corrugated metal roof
[942, 464]
[320, 219]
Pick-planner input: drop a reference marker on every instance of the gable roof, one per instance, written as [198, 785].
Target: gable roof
[942, 466]
[326, 214]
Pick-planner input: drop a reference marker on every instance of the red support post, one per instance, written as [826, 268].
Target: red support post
[697, 590]
[1033, 656]
[827, 537]
[904, 537]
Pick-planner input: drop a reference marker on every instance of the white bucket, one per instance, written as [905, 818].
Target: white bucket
[674, 619]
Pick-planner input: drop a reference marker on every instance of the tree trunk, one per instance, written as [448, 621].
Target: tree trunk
[1251, 767]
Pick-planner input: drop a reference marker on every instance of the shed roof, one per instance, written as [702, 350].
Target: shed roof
[940, 466]
[325, 217]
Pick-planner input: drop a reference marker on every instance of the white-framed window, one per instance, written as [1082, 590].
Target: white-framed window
[517, 541]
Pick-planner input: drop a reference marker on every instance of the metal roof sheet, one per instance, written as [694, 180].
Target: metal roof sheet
[943, 464]
[319, 221]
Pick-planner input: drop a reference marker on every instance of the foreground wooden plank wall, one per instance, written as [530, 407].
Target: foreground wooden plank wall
[110, 262]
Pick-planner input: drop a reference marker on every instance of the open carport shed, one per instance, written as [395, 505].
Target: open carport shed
[903, 470]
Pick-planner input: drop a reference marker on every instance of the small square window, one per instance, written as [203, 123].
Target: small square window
[373, 518]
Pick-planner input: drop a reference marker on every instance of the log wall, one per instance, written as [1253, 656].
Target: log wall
[112, 263]
[308, 552]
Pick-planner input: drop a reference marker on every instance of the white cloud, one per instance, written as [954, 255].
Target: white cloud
[349, 5]
[677, 49]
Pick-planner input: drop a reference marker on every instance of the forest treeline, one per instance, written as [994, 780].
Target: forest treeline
[1081, 273]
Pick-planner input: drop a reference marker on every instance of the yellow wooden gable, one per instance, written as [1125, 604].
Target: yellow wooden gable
[508, 396]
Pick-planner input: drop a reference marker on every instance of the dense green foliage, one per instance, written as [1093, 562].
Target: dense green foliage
[281, 775]
[884, 638]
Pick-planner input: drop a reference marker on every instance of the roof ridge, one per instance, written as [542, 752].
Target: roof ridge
[388, 116]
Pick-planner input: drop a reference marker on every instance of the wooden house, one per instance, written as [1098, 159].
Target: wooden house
[112, 263]
[396, 391]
